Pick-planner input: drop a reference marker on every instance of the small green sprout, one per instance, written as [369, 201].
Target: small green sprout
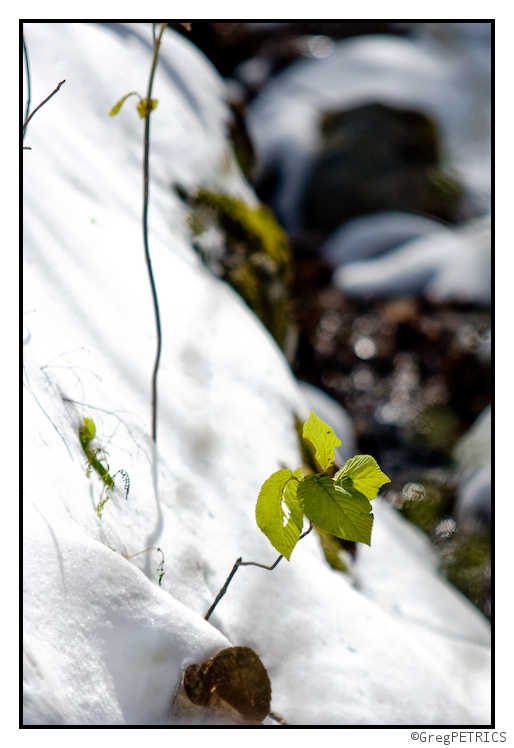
[141, 106]
[87, 432]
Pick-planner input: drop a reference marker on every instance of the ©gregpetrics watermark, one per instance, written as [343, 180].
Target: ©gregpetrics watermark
[460, 736]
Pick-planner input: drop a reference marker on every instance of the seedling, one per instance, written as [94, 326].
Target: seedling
[339, 505]
[87, 432]
[141, 106]
[144, 108]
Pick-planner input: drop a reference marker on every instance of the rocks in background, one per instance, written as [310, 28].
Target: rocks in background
[252, 52]
[375, 158]
[398, 73]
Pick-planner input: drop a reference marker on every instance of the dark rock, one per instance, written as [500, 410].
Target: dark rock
[375, 158]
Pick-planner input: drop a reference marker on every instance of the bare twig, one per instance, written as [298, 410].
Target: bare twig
[40, 105]
[236, 566]
[157, 42]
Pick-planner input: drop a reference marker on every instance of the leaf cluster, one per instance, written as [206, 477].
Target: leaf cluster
[339, 505]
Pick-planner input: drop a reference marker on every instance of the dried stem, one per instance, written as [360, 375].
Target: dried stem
[146, 174]
[236, 566]
[160, 568]
[40, 105]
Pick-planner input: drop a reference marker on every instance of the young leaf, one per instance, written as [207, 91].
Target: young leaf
[87, 432]
[364, 474]
[116, 108]
[141, 107]
[342, 512]
[323, 438]
[270, 515]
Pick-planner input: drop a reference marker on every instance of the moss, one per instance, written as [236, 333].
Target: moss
[464, 551]
[255, 260]
[241, 141]
[425, 512]
[436, 427]
[466, 563]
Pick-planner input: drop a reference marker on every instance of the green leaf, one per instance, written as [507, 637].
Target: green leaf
[364, 474]
[323, 438]
[280, 488]
[342, 512]
[87, 432]
[141, 107]
[116, 108]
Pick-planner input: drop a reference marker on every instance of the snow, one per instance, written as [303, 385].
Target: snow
[104, 644]
[446, 265]
[373, 235]
[473, 456]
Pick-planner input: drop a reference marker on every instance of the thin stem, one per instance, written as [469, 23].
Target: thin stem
[153, 548]
[236, 566]
[160, 568]
[157, 43]
[43, 102]
[224, 588]
[28, 83]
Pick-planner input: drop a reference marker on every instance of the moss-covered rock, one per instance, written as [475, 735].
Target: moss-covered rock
[248, 249]
[466, 562]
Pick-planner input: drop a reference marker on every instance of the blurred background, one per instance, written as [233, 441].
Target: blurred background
[370, 142]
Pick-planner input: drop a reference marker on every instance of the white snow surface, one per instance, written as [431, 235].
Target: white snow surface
[373, 235]
[447, 264]
[103, 643]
